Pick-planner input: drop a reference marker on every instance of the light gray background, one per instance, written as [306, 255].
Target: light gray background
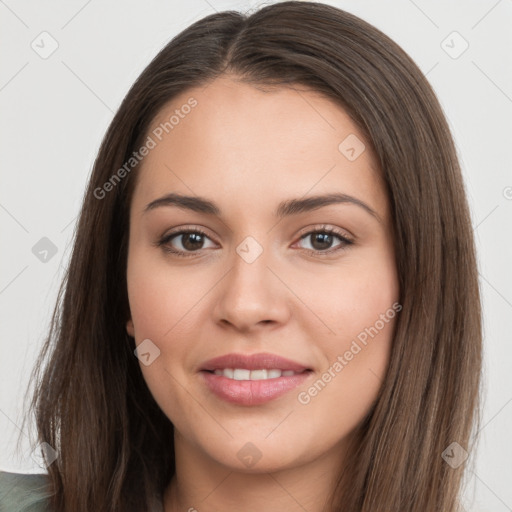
[56, 110]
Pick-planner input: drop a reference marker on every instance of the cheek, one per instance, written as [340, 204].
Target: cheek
[165, 305]
[161, 311]
[353, 297]
[348, 385]
[360, 305]
[161, 296]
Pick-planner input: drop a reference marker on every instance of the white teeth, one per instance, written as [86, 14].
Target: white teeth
[258, 374]
[243, 374]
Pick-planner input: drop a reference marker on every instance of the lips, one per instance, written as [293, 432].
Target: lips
[251, 380]
[262, 361]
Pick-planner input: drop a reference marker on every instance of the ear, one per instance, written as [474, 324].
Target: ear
[129, 328]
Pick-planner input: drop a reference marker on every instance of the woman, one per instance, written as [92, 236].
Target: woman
[272, 301]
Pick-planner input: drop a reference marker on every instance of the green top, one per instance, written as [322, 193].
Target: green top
[23, 493]
[28, 493]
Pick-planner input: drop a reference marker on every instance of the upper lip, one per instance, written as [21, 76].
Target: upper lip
[252, 362]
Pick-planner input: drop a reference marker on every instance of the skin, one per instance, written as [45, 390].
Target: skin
[247, 150]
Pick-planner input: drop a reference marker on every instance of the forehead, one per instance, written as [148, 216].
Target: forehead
[240, 142]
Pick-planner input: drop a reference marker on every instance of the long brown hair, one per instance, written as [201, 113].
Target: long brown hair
[114, 444]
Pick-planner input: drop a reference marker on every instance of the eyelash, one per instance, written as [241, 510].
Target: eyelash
[345, 242]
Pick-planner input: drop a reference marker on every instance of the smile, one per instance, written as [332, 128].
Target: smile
[244, 374]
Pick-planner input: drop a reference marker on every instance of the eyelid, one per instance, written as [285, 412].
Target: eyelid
[344, 234]
[192, 228]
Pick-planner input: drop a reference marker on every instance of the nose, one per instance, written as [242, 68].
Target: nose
[251, 297]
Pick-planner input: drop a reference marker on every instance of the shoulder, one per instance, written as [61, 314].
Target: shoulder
[23, 493]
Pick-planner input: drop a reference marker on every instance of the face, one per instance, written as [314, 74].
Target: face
[276, 243]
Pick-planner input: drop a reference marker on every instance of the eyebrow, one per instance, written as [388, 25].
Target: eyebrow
[284, 209]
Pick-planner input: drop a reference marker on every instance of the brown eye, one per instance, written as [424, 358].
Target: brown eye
[183, 242]
[192, 241]
[323, 241]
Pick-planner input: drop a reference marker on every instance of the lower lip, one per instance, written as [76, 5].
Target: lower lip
[252, 392]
